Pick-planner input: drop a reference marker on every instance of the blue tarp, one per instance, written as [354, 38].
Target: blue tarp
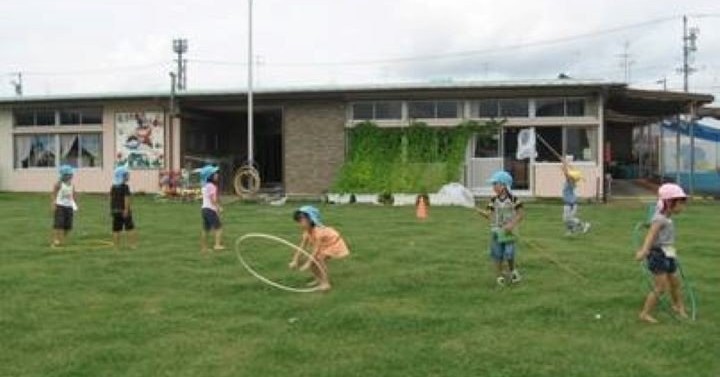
[706, 179]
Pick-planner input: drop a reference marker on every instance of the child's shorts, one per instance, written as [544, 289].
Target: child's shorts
[211, 220]
[501, 251]
[63, 218]
[121, 223]
[659, 263]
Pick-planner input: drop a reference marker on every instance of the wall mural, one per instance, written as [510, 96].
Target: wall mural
[140, 140]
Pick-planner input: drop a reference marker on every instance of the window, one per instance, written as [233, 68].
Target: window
[552, 136]
[35, 151]
[388, 110]
[45, 150]
[581, 143]
[363, 111]
[550, 107]
[575, 107]
[45, 118]
[448, 110]
[486, 108]
[513, 108]
[51, 117]
[74, 117]
[560, 107]
[434, 109]
[421, 109]
[487, 147]
[377, 110]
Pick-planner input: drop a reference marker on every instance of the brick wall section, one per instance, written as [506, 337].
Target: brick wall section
[314, 142]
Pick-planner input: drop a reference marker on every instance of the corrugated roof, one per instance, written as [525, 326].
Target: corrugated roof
[553, 83]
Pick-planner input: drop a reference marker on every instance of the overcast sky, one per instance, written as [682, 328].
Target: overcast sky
[78, 46]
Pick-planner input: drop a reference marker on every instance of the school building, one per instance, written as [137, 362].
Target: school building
[300, 133]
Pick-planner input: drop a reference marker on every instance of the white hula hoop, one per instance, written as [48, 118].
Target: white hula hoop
[265, 280]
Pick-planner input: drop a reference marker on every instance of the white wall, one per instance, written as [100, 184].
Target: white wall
[86, 179]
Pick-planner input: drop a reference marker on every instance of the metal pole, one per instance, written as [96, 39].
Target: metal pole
[250, 136]
[685, 68]
[691, 131]
[677, 150]
[171, 119]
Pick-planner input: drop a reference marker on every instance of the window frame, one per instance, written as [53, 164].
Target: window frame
[58, 160]
[565, 113]
[374, 105]
[57, 116]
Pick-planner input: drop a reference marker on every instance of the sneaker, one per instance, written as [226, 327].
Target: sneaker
[501, 281]
[586, 228]
[515, 277]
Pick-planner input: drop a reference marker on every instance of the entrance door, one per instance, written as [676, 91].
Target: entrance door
[519, 169]
[484, 158]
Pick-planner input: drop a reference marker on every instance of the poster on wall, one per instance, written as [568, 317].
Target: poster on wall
[140, 140]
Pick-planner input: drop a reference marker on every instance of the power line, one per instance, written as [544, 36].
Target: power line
[459, 54]
[94, 71]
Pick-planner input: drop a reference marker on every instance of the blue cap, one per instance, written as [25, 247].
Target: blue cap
[66, 170]
[501, 177]
[120, 174]
[312, 213]
[207, 171]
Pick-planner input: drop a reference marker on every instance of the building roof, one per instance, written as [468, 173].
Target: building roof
[319, 89]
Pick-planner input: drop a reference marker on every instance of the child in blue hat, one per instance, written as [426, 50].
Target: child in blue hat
[211, 209]
[505, 213]
[325, 243]
[122, 219]
[63, 205]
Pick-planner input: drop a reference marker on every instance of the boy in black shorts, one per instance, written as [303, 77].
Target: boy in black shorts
[120, 208]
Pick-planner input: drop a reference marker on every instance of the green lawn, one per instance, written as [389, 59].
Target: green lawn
[414, 299]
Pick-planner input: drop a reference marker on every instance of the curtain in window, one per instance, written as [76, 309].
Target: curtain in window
[23, 147]
[91, 153]
[68, 154]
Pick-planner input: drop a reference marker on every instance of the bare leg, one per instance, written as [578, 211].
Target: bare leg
[661, 282]
[320, 272]
[678, 304]
[116, 240]
[203, 242]
[132, 237]
[511, 264]
[218, 240]
[58, 237]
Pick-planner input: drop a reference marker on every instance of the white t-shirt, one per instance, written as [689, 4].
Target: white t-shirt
[64, 196]
[209, 194]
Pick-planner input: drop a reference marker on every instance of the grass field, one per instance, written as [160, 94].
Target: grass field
[413, 299]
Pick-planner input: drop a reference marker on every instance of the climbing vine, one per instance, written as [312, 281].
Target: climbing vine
[417, 158]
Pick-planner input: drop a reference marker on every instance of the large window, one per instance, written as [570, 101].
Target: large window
[81, 150]
[54, 117]
[35, 151]
[560, 107]
[49, 150]
[434, 109]
[377, 110]
[578, 143]
[502, 108]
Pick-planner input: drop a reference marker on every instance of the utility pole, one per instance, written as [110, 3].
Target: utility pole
[180, 47]
[689, 47]
[662, 81]
[626, 61]
[250, 136]
[18, 84]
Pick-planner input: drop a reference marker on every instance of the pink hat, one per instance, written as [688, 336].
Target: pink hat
[669, 191]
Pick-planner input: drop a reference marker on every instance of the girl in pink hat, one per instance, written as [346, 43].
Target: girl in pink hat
[659, 252]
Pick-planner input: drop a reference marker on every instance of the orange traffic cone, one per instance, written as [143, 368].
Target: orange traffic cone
[421, 208]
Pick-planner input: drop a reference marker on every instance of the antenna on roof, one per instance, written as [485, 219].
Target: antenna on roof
[18, 84]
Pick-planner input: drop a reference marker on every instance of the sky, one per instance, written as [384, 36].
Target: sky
[88, 46]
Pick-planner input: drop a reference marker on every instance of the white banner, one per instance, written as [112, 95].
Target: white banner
[526, 144]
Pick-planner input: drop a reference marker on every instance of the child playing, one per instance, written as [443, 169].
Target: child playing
[659, 252]
[120, 208]
[63, 205]
[572, 223]
[211, 208]
[421, 207]
[325, 243]
[505, 213]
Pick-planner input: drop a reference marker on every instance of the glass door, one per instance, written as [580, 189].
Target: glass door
[519, 169]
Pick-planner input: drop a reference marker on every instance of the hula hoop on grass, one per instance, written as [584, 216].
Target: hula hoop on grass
[253, 272]
[687, 290]
[246, 181]
[87, 245]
